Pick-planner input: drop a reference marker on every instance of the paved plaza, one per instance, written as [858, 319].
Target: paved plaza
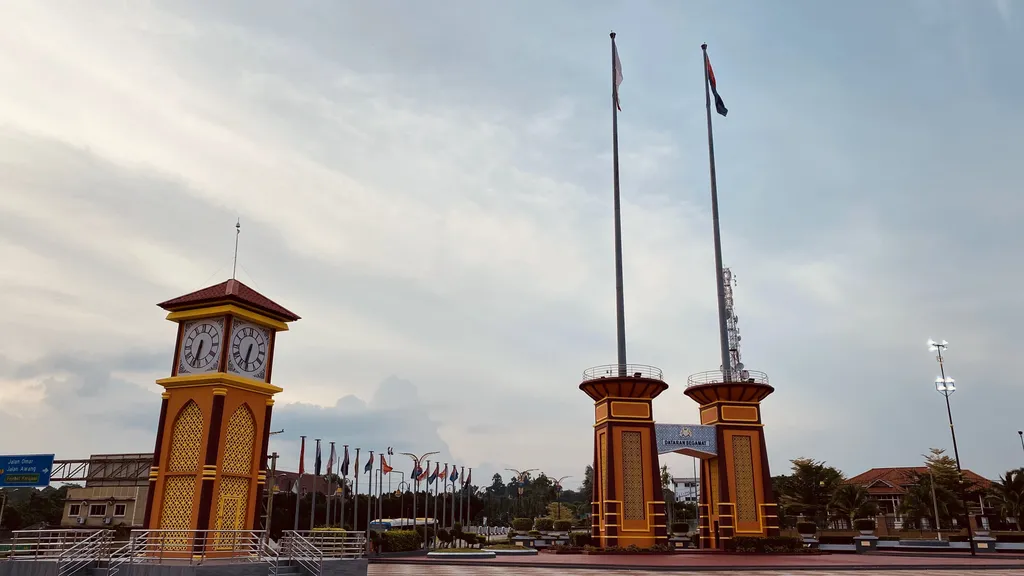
[709, 564]
[417, 570]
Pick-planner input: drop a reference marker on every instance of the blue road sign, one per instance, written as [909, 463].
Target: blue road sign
[25, 471]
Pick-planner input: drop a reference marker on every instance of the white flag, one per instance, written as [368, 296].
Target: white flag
[617, 68]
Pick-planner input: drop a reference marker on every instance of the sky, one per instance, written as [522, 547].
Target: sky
[430, 187]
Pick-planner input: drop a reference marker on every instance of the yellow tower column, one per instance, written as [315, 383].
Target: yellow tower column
[736, 490]
[209, 462]
[628, 506]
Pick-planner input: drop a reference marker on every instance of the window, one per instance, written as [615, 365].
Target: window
[97, 510]
[119, 509]
[74, 510]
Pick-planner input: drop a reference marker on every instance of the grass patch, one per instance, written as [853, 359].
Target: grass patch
[459, 550]
[506, 547]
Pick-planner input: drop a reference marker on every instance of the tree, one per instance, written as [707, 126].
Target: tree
[1009, 494]
[851, 501]
[809, 490]
[587, 486]
[667, 494]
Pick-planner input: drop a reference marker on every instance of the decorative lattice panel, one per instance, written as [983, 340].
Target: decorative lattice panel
[232, 501]
[186, 439]
[605, 475]
[743, 465]
[713, 492]
[238, 443]
[176, 511]
[632, 477]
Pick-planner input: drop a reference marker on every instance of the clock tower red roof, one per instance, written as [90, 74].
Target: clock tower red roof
[230, 292]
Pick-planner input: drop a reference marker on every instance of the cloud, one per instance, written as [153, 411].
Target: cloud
[437, 208]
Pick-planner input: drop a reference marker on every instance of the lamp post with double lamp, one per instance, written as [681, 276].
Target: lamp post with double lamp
[946, 387]
[558, 496]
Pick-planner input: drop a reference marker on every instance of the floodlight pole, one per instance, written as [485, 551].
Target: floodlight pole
[945, 391]
[1021, 434]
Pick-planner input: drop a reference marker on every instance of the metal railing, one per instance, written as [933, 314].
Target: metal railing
[623, 371]
[190, 546]
[84, 552]
[36, 545]
[332, 543]
[718, 377]
[303, 552]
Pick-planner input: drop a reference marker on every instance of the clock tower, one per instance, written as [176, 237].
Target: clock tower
[209, 463]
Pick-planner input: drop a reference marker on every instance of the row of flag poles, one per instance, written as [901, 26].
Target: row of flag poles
[419, 474]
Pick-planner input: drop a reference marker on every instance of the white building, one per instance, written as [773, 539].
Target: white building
[687, 489]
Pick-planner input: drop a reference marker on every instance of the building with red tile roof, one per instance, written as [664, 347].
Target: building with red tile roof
[887, 486]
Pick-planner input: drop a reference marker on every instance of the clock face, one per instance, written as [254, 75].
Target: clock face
[201, 346]
[248, 352]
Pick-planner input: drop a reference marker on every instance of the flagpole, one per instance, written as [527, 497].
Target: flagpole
[462, 492]
[355, 497]
[426, 507]
[330, 483]
[369, 497]
[344, 481]
[434, 542]
[719, 279]
[469, 497]
[298, 491]
[444, 495]
[620, 313]
[454, 497]
[316, 476]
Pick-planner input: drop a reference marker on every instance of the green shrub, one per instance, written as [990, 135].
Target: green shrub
[522, 524]
[512, 534]
[402, 540]
[806, 527]
[430, 532]
[457, 528]
[563, 525]
[680, 527]
[481, 539]
[543, 524]
[764, 545]
[864, 524]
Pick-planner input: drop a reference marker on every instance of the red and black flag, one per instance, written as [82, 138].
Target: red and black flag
[719, 104]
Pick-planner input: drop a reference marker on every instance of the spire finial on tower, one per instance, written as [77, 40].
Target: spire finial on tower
[238, 231]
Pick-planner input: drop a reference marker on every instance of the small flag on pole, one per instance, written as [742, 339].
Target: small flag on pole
[719, 104]
[423, 473]
[369, 463]
[330, 460]
[344, 463]
[302, 457]
[455, 474]
[385, 468]
[433, 475]
[444, 474]
[617, 66]
[316, 462]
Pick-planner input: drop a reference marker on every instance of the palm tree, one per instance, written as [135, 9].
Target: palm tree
[917, 503]
[851, 501]
[1009, 494]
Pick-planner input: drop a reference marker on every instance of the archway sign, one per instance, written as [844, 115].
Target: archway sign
[689, 439]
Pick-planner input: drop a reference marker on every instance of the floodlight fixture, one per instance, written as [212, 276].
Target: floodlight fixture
[945, 384]
[934, 346]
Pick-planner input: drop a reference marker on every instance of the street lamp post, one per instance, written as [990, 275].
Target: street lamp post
[946, 387]
[416, 465]
[558, 497]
